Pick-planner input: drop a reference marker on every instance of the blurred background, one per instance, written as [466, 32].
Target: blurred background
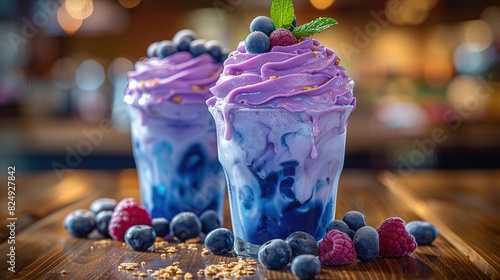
[427, 76]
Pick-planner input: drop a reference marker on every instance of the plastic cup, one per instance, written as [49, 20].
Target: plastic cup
[282, 170]
[175, 151]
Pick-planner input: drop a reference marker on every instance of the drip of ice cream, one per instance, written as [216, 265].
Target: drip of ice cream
[304, 77]
[179, 78]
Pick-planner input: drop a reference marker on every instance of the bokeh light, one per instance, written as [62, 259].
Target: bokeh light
[129, 4]
[477, 33]
[68, 23]
[462, 95]
[321, 4]
[90, 75]
[79, 9]
[413, 12]
[470, 59]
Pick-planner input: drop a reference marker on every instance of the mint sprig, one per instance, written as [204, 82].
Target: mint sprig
[313, 27]
[282, 13]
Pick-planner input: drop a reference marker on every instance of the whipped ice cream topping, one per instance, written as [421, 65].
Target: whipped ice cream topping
[179, 78]
[302, 77]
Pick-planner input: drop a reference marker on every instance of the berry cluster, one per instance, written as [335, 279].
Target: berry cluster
[187, 40]
[281, 28]
[128, 221]
[351, 238]
[263, 35]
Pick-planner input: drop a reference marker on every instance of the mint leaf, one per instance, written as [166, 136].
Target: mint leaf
[313, 27]
[282, 13]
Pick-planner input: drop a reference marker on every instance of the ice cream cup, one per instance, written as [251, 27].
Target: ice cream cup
[282, 170]
[174, 140]
[176, 159]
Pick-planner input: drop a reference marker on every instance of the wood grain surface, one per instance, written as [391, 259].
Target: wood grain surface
[464, 205]
[43, 249]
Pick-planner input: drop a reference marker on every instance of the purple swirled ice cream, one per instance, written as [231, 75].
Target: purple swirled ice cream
[173, 134]
[281, 121]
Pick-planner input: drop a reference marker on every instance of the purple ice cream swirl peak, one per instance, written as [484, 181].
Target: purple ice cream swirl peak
[302, 77]
[179, 78]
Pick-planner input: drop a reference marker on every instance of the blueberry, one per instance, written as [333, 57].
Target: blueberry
[354, 220]
[342, 226]
[140, 237]
[161, 226]
[209, 221]
[183, 38]
[197, 47]
[165, 48]
[306, 266]
[424, 232]
[263, 24]
[257, 42]
[275, 254]
[185, 225]
[80, 223]
[366, 241]
[302, 243]
[102, 204]
[214, 48]
[151, 52]
[102, 222]
[219, 241]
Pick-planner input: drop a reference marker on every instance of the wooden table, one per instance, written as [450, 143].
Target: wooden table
[463, 204]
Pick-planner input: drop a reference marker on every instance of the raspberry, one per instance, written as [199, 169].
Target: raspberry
[336, 248]
[395, 241]
[282, 37]
[127, 213]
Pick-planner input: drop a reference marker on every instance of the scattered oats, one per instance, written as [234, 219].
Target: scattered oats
[205, 252]
[124, 244]
[176, 263]
[139, 274]
[91, 248]
[143, 264]
[64, 271]
[180, 272]
[102, 242]
[252, 261]
[163, 255]
[150, 270]
[210, 271]
[128, 266]
[201, 271]
[172, 250]
[188, 276]
[193, 240]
